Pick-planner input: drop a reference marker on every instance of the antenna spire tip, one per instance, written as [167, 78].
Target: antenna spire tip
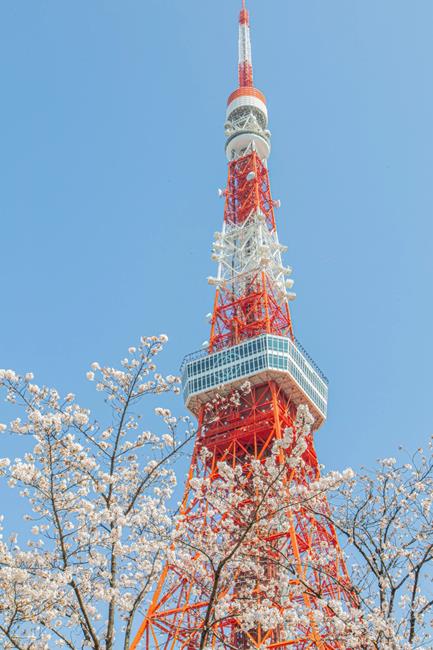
[244, 17]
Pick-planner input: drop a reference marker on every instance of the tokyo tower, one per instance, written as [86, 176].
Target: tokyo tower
[251, 343]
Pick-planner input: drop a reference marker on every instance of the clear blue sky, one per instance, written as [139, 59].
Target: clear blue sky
[112, 118]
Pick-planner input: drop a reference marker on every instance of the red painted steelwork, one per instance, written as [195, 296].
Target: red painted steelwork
[247, 429]
[245, 74]
[257, 310]
[244, 17]
[246, 92]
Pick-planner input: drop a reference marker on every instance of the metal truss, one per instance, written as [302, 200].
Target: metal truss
[175, 618]
[252, 296]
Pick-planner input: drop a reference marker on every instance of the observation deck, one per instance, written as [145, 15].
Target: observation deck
[266, 357]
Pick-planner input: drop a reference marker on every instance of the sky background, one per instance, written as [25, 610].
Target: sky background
[111, 154]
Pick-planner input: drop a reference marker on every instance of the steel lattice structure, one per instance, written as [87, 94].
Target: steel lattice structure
[251, 339]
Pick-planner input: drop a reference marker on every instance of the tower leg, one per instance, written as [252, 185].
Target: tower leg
[246, 542]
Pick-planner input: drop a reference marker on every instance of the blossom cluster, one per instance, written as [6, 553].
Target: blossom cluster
[98, 495]
[386, 517]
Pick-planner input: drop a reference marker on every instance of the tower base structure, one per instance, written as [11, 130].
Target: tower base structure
[285, 569]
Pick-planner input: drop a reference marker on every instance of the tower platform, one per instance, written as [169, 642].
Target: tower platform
[257, 360]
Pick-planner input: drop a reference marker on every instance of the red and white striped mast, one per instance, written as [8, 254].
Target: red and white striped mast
[245, 56]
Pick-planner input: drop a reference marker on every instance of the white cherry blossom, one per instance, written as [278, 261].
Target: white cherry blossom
[98, 495]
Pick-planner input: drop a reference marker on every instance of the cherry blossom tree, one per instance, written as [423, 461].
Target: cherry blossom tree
[101, 527]
[386, 517]
[98, 494]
